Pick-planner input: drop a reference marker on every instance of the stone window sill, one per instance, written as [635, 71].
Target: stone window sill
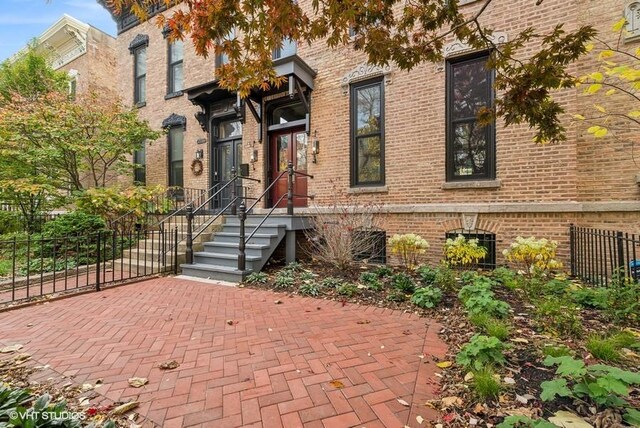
[173, 95]
[372, 189]
[476, 184]
[140, 104]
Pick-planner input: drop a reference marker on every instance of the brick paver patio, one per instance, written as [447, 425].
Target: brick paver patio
[272, 367]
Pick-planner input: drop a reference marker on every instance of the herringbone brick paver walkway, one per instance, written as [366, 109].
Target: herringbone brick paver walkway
[272, 367]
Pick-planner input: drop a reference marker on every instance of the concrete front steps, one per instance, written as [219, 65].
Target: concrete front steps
[152, 251]
[219, 258]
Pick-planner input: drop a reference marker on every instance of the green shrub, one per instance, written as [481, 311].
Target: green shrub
[491, 326]
[348, 290]
[293, 267]
[471, 290]
[524, 422]
[558, 317]
[460, 252]
[257, 278]
[596, 298]
[403, 282]
[485, 384]
[371, 280]
[533, 256]
[73, 223]
[486, 303]
[383, 271]
[306, 275]
[284, 279]
[445, 278]
[427, 297]
[556, 287]
[10, 222]
[602, 348]
[602, 385]
[331, 282]
[6, 267]
[623, 305]
[45, 264]
[556, 351]
[507, 277]
[482, 351]
[426, 274]
[309, 288]
[396, 296]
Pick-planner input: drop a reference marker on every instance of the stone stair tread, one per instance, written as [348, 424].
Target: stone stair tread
[212, 268]
[235, 245]
[224, 256]
[257, 235]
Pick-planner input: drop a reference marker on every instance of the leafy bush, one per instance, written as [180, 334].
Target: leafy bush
[556, 287]
[533, 255]
[486, 303]
[602, 385]
[427, 297]
[9, 222]
[371, 280]
[309, 288]
[383, 271]
[623, 305]
[426, 274]
[491, 326]
[408, 248]
[558, 317]
[596, 298]
[293, 267]
[307, 275]
[396, 296]
[485, 384]
[506, 277]
[73, 223]
[482, 351]
[445, 278]
[471, 290]
[257, 278]
[284, 279]
[461, 252]
[348, 290]
[45, 264]
[331, 282]
[403, 282]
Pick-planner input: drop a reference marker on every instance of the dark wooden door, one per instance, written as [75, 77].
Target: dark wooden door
[289, 145]
[228, 154]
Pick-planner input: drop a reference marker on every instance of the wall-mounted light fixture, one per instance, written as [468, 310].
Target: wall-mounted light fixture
[315, 146]
[254, 158]
[199, 154]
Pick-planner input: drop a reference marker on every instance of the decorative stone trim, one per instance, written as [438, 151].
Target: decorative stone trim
[141, 40]
[365, 71]
[476, 184]
[632, 14]
[469, 221]
[175, 120]
[173, 95]
[372, 189]
[457, 48]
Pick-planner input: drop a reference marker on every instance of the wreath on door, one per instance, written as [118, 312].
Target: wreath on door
[196, 167]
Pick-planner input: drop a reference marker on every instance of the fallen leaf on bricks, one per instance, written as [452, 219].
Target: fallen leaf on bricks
[230, 322]
[364, 322]
[420, 419]
[404, 403]
[336, 384]
[444, 364]
[169, 365]
[124, 408]
[138, 382]
[278, 302]
[10, 349]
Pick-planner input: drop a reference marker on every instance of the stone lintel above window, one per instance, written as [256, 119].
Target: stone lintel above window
[141, 40]
[174, 120]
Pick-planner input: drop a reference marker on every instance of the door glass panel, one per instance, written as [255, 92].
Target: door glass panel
[283, 152]
[226, 161]
[231, 128]
[238, 155]
[301, 151]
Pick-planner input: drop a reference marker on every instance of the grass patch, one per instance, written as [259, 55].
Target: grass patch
[485, 384]
[556, 351]
[603, 348]
[491, 326]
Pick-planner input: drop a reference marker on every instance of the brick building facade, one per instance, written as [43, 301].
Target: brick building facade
[389, 136]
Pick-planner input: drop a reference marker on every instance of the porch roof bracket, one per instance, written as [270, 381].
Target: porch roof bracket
[303, 97]
[256, 116]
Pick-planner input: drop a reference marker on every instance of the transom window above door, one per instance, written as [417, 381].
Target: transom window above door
[229, 129]
[288, 113]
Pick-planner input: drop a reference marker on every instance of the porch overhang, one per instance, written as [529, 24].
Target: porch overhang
[207, 93]
[298, 73]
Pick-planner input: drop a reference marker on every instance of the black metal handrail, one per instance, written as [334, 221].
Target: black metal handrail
[262, 195]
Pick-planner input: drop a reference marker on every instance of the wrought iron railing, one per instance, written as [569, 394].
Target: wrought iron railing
[601, 256]
[41, 266]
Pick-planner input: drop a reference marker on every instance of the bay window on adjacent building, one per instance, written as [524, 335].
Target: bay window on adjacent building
[175, 72]
[367, 133]
[470, 144]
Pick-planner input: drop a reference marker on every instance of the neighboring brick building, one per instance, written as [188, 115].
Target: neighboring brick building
[389, 136]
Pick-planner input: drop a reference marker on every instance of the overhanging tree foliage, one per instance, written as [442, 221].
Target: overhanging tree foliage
[405, 33]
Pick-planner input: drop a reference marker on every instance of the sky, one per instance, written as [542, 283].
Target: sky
[22, 20]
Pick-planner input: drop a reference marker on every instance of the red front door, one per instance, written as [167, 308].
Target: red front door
[289, 145]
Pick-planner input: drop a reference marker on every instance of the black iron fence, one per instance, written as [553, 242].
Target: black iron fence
[600, 256]
[42, 266]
